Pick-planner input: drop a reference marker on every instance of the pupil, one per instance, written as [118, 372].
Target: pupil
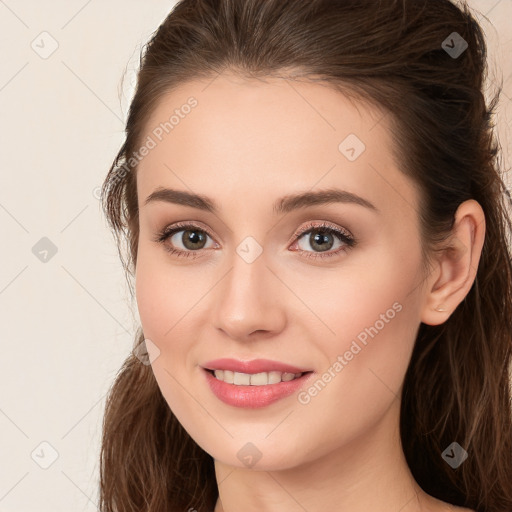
[321, 239]
[194, 237]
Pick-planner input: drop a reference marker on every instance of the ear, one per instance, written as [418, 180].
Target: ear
[456, 267]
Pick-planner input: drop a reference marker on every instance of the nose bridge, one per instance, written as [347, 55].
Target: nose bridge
[247, 300]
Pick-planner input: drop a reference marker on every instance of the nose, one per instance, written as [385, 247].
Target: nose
[250, 301]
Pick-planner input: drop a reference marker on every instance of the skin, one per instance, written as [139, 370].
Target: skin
[246, 144]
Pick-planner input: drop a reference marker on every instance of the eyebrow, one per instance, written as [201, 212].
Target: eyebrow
[283, 205]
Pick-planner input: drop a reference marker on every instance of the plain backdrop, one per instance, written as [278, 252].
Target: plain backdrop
[66, 314]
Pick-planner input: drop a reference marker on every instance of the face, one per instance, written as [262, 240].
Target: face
[331, 288]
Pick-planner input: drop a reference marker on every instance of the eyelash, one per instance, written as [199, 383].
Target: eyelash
[341, 235]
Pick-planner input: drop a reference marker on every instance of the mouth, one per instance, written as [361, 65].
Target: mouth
[254, 390]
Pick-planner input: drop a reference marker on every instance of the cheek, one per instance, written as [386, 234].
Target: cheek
[168, 301]
[154, 294]
[375, 321]
[371, 312]
[161, 306]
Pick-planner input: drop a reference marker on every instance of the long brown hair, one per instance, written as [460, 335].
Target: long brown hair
[400, 55]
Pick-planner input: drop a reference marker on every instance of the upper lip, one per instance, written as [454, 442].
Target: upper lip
[254, 366]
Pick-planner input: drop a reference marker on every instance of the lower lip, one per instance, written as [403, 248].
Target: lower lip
[253, 397]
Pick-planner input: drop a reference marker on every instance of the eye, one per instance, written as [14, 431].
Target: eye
[321, 238]
[193, 239]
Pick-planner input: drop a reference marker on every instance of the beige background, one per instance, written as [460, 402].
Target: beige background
[67, 323]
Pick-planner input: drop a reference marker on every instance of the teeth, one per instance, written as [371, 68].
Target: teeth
[256, 379]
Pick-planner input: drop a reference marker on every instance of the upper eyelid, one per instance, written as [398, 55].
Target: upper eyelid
[326, 224]
[184, 225]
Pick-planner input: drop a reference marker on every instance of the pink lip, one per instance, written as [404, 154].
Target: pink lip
[254, 366]
[253, 397]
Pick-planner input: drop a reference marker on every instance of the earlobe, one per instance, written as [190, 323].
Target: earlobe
[457, 264]
[436, 315]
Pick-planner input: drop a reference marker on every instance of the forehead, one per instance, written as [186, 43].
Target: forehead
[230, 137]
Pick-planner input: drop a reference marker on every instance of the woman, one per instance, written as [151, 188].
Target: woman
[317, 228]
